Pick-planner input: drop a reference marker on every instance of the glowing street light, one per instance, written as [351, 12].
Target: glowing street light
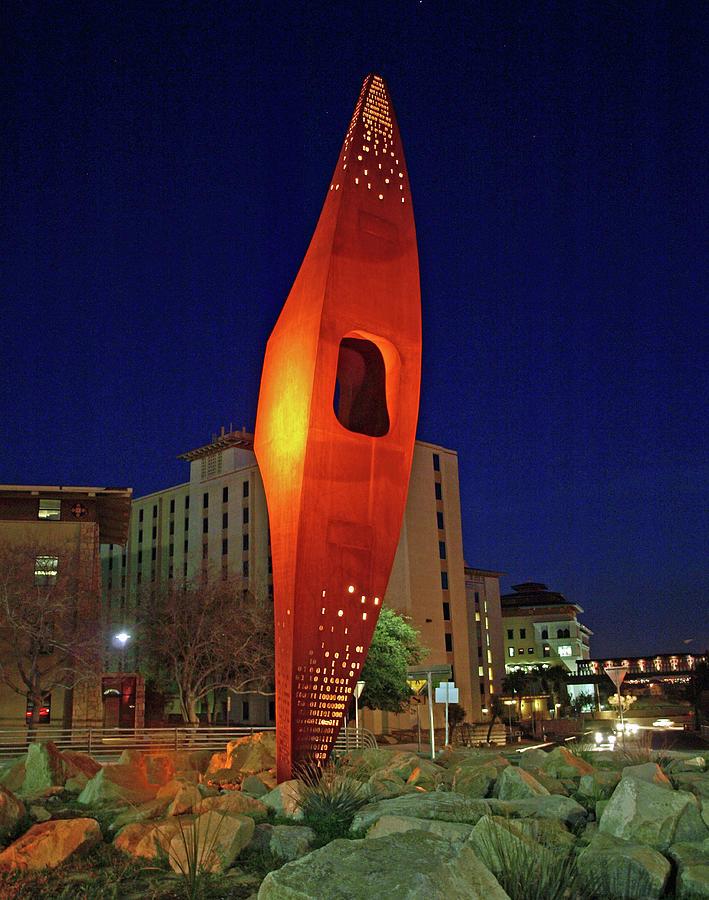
[122, 638]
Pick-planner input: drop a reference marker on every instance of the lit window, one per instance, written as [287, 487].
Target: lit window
[530, 649]
[49, 509]
[510, 651]
[564, 650]
[520, 651]
[46, 569]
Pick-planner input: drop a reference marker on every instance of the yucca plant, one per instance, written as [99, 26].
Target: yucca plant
[527, 869]
[329, 799]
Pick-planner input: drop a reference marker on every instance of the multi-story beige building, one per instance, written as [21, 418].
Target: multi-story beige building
[541, 627]
[218, 520]
[50, 581]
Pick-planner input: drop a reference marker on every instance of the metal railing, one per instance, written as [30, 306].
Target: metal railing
[108, 743]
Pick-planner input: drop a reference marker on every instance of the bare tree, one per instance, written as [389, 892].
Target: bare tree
[206, 636]
[48, 637]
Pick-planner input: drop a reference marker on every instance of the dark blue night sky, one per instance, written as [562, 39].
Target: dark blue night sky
[163, 170]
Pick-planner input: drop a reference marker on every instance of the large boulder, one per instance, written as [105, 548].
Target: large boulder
[612, 867]
[118, 785]
[13, 775]
[144, 812]
[406, 866]
[213, 840]
[44, 767]
[531, 759]
[148, 840]
[561, 763]
[247, 755]
[652, 815]
[517, 784]
[649, 772]
[598, 785]
[551, 806]
[287, 841]
[285, 799]
[49, 844]
[475, 781]
[449, 831]
[11, 810]
[79, 769]
[443, 806]
[185, 800]
[692, 861]
[234, 802]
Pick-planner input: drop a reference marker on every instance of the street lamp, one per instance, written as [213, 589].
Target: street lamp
[122, 639]
[509, 704]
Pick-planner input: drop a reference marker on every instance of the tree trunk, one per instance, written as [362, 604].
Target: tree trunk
[33, 719]
[489, 730]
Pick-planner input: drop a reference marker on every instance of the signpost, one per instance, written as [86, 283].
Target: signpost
[428, 672]
[447, 692]
[616, 675]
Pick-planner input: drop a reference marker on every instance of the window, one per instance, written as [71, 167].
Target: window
[437, 488]
[245, 515]
[245, 489]
[523, 633]
[439, 518]
[155, 511]
[205, 525]
[477, 596]
[480, 651]
[140, 535]
[245, 710]
[225, 494]
[205, 551]
[520, 651]
[184, 569]
[446, 612]
[140, 556]
[245, 568]
[244, 542]
[140, 515]
[510, 651]
[564, 650]
[225, 546]
[153, 553]
[172, 505]
[50, 509]
[530, 649]
[510, 634]
[187, 545]
[187, 502]
[187, 524]
[546, 652]
[172, 527]
[155, 531]
[272, 709]
[481, 671]
[436, 463]
[225, 520]
[442, 549]
[545, 634]
[449, 643]
[444, 581]
[205, 500]
[46, 569]
[110, 562]
[171, 550]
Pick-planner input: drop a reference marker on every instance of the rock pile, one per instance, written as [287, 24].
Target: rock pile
[454, 828]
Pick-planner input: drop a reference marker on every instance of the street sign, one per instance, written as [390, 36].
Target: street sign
[417, 672]
[447, 692]
[616, 674]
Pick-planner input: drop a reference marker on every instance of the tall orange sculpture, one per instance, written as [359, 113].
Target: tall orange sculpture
[335, 429]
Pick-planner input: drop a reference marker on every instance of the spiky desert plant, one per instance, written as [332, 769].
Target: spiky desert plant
[329, 799]
[527, 869]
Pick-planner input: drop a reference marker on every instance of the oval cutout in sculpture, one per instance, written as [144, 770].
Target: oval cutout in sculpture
[360, 388]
